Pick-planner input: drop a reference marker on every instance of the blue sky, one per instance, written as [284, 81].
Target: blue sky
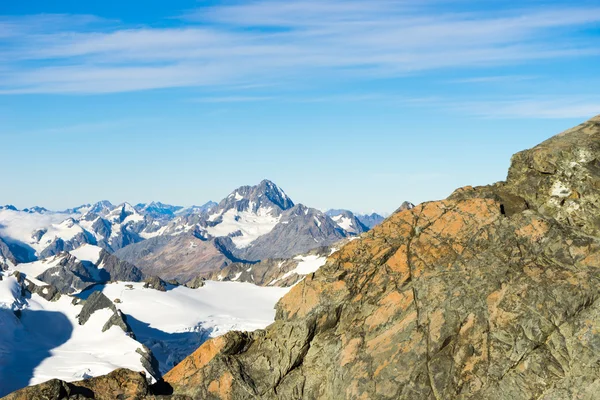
[345, 104]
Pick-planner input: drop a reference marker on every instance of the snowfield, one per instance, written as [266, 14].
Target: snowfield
[174, 323]
[42, 340]
[87, 252]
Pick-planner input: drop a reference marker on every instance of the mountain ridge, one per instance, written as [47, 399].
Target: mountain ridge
[488, 294]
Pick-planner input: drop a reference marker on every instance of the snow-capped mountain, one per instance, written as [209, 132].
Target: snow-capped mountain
[252, 223]
[157, 210]
[77, 269]
[347, 221]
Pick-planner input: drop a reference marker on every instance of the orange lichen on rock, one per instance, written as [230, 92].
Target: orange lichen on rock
[222, 387]
[399, 262]
[534, 230]
[385, 341]
[393, 303]
[349, 350]
[186, 371]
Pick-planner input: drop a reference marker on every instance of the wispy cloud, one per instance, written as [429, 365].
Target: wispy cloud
[547, 107]
[495, 79]
[233, 99]
[267, 41]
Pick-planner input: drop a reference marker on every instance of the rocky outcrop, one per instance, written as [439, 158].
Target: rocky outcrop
[489, 294]
[98, 301]
[119, 384]
[154, 282]
[47, 291]
[196, 283]
[70, 274]
[272, 272]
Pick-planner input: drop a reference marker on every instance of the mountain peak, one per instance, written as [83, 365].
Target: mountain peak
[265, 195]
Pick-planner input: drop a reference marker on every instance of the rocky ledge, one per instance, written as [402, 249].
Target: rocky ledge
[489, 294]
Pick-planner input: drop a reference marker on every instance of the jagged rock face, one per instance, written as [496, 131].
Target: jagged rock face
[271, 272]
[180, 257]
[119, 270]
[6, 256]
[71, 274]
[301, 229]
[451, 299]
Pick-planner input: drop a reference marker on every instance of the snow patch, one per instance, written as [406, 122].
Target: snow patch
[345, 223]
[307, 265]
[87, 252]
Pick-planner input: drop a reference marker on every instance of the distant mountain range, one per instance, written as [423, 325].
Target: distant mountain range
[251, 224]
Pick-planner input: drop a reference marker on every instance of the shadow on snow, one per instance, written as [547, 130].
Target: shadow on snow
[29, 337]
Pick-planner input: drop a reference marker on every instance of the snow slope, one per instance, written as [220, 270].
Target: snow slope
[87, 252]
[36, 268]
[251, 225]
[44, 341]
[174, 323]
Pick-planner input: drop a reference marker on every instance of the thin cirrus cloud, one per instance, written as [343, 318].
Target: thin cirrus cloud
[270, 41]
[533, 107]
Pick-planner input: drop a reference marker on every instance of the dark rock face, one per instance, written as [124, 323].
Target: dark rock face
[47, 291]
[71, 274]
[98, 301]
[119, 270]
[6, 255]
